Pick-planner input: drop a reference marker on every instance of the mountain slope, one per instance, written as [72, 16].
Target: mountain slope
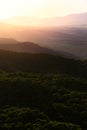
[28, 47]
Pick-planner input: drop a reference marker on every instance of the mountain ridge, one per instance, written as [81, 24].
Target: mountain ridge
[29, 47]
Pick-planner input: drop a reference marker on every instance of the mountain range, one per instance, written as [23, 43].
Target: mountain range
[69, 20]
[70, 37]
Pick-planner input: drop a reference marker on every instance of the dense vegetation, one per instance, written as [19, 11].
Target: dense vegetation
[42, 92]
[42, 102]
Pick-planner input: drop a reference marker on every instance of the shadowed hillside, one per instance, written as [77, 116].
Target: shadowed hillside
[44, 63]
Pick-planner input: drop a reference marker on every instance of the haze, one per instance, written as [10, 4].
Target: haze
[41, 8]
[60, 25]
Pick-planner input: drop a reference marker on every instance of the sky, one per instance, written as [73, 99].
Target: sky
[41, 8]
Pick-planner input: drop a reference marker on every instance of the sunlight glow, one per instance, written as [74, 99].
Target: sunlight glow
[9, 8]
[40, 8]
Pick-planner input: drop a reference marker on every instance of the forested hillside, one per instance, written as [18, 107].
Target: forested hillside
[42, 92]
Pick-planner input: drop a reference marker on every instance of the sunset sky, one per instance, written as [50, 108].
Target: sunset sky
[41, 8]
